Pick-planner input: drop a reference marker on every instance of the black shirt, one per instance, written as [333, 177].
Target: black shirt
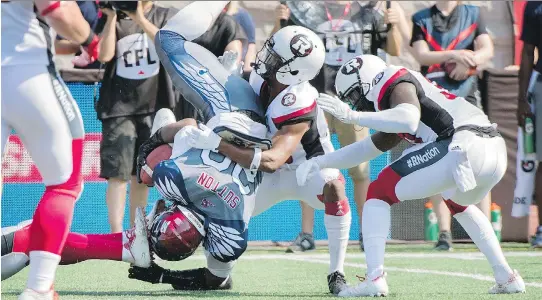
[346, 33]
[134, 82]
[532, 28]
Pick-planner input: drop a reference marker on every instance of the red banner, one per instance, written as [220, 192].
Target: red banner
[18, 167]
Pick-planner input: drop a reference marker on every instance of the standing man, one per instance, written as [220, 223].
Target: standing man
[133, 88]
[38, 106]
[530, 92]
[348, 29]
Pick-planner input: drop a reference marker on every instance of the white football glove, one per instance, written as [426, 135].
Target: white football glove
[306, 170]
[202, 138]
[229, 61]
[337, 108]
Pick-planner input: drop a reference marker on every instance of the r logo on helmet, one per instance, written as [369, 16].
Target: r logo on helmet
[288, 99]
[300, 45]
[352, 66]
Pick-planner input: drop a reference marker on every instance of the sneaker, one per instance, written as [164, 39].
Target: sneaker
[537, 241]
[303, 242]
[514, 285]
[138, 241]
[444, 242]
[367, 288]
[361, 242]
[29, 294]
[162, 118]
[336, 282]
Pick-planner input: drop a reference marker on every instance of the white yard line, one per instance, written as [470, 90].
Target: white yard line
[322, 258]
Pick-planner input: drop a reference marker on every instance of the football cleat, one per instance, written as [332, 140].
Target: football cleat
[377, 287]
[514, 285]
[444, 242]
[537, 240]
[303, 242]
[29, 294]
[336, 282]
[138, 243]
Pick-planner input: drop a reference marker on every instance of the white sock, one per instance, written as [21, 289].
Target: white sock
[481, 232]
[338, 234]
[376, 226]
[42, 270]
[195, 19]
[126, 253]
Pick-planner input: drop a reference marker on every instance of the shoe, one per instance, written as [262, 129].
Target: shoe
[444, 242]
[138, 241]
[29, 294]
[537, 241]
[514, 285]
[162, 118]
[336, 282]
[303, 242]
[367, 288]
[361, 242]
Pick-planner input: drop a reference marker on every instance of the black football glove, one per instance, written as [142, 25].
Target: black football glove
[145, 149]
[152, 274]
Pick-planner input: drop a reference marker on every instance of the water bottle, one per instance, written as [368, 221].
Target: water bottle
[528, 136]
[430, 222]
[496, 219]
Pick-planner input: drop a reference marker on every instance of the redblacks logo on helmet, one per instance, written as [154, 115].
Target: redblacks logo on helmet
[301, 46]
[352, 66]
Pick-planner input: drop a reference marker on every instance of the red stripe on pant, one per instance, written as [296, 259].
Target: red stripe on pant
[383, 188]
[53, 217]
[454, 207]
[78, 247]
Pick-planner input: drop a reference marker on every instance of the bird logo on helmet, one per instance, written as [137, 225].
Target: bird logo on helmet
[176, 233]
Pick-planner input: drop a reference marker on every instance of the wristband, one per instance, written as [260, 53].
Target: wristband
[256, 159]
[89, 39]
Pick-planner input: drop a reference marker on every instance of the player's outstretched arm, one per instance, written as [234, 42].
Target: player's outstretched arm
[403, 116]
[66, 19]
[285, 142]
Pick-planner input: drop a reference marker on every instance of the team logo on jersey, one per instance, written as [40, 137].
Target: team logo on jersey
[206, 203]
[352, 66]
[300, 45]
[288, 99]
[377, 78]
[527, 166]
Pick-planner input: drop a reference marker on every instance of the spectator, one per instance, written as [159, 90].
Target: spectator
[530, 86]
[133, 88]
[224, 35]
[92, 14]
[244, 19]
[450, 33]
[348, 29]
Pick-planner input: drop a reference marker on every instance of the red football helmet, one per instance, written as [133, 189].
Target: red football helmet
[176, 233]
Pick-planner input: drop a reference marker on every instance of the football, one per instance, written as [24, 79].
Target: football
[154, 158]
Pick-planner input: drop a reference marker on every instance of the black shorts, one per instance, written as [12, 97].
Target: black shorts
[121, 138]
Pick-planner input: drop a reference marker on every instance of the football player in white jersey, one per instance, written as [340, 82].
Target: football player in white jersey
[458, 154]
[38, 106]
[288, 60]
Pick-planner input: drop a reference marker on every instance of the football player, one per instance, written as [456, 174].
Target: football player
[39, 107]
[288, 60]
[457, 153]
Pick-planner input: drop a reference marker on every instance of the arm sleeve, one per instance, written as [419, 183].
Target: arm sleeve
[349, 156]
[417, 33]
[531, 30]
[482, 25]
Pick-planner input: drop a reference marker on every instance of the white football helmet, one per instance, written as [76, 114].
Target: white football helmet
[293, 54]
[355, 80]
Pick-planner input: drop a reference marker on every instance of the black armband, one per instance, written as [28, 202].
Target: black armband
[89, 39]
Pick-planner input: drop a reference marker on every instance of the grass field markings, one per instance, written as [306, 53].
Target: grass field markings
[408, 270]
[322, 259]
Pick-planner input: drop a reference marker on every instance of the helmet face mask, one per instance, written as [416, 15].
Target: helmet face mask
[268, 62]
[356, 97]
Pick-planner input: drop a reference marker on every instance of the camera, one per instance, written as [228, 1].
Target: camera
[119, 5]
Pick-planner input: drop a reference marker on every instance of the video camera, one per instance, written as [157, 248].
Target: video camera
[119, 5]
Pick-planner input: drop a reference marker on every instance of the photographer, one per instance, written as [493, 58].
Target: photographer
[133, 88]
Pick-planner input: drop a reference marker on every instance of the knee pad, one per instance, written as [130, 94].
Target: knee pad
[383, 187]
[454, 207]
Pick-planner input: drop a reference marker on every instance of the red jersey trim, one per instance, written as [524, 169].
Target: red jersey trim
[294, 114]
[50, 8]
[387, 84]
